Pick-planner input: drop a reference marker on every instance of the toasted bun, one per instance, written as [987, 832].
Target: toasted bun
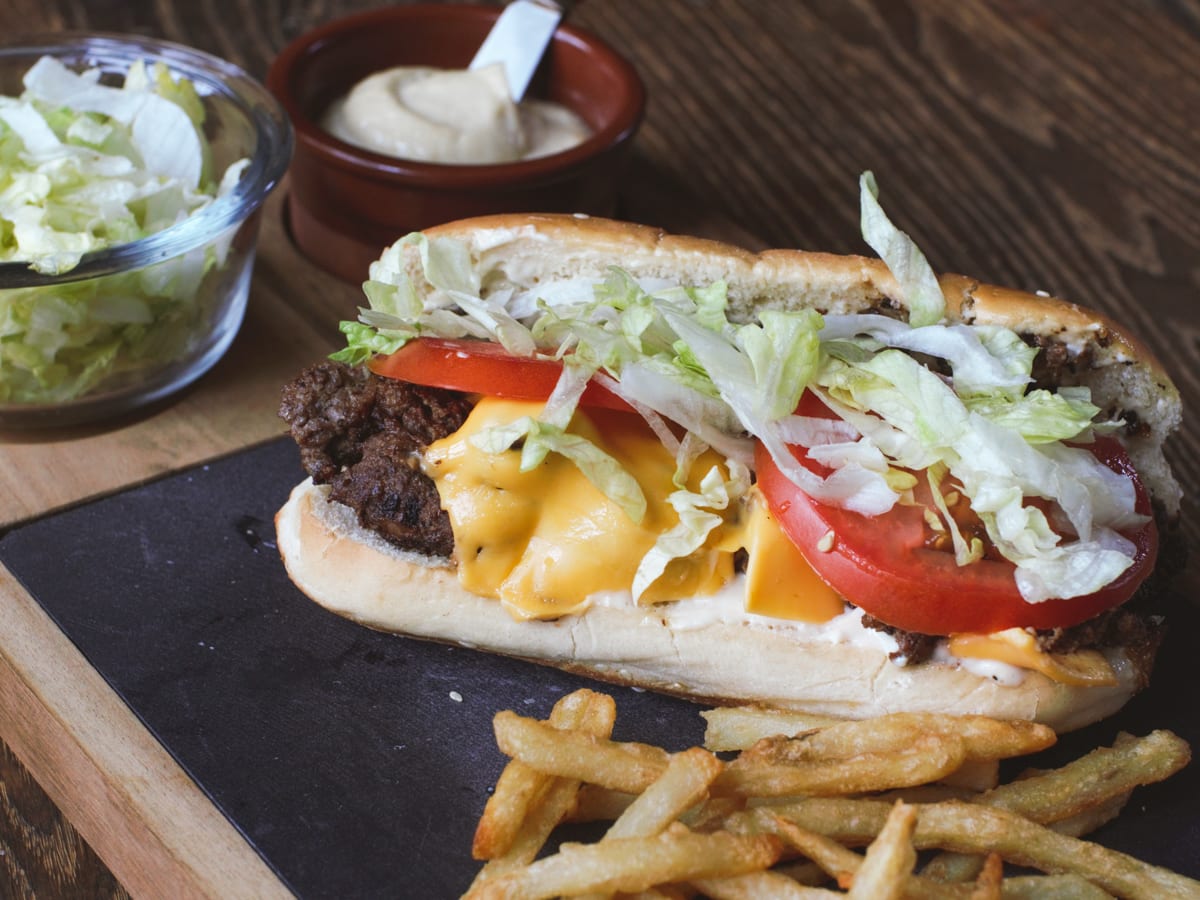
[522, 250]
[354, 573]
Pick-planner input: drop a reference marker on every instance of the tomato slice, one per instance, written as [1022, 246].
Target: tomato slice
[482, 367]
[883, 564]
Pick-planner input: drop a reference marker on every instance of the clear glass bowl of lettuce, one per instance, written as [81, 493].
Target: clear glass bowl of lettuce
[132, 172]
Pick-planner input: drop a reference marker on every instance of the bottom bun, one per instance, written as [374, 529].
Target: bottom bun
[356, 574]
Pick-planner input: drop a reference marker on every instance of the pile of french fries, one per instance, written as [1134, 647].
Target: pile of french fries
[785, 817]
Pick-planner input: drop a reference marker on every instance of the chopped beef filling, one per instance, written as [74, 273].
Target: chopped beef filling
[361, 434]
[914, 648]
[1056, 364]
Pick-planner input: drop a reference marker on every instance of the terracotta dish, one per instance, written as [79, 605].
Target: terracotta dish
[346, 204]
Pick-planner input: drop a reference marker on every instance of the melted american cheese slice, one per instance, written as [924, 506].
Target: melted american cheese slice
[542, 542]
[1017, 647]
[779, 581]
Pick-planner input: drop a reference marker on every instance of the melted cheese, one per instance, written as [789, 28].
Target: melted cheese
[779, 581]
[1017, 647]
[543, 541]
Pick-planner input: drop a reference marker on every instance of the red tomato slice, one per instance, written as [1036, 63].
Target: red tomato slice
[482, 367]
[882, 563]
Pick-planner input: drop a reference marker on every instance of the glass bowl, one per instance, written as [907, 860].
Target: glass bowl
[135, 322]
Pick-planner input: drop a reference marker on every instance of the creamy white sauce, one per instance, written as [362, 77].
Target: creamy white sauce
[1001, 673]
[727, 607]
[454, 116]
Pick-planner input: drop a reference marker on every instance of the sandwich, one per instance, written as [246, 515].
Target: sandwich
[836, 484]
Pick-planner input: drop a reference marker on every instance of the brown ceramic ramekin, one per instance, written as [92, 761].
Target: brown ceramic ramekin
[346, 204]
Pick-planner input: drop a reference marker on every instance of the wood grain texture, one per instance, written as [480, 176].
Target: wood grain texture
[1046, 146]
[97, 762]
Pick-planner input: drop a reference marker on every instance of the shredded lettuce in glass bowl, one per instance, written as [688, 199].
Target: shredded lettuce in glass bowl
[132, 171]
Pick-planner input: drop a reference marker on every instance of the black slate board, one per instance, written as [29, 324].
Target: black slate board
[341, 753]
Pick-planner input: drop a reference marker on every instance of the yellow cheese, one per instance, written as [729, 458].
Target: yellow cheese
[1017, 647]
[543, 541]
[779, 581]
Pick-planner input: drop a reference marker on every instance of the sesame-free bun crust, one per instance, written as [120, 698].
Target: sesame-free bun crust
[355, 574]
[523, 250]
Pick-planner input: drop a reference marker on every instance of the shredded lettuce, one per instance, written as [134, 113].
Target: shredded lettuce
[672, 352]
[699, 513]
[917, 280]
[85, 166]
[539, 438]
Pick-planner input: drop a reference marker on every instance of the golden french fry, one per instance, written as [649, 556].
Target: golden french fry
[836, 861]
[973, 828]
[925, 759]
[953, 868]
[1093, 779]
[984, 738]
[520, 787]
[770, 885]
[634, 864]
[1082, 795]
[1090, 819]
[831, 858]
[1051, 887]
[803, 871]
[739, 727]
[929, 793]
[890, 858]
[594, 714]
[712, 813]
[990, 880]
[976, 775]
[628, 767]
[684, 784]
[667, 892]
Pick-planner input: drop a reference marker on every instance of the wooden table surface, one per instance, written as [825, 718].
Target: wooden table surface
[1049, 146]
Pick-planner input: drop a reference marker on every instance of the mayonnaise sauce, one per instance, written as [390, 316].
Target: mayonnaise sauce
[450, 116]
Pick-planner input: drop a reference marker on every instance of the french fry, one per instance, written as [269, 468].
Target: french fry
[1081, 795]
[983, 738]
[761, 886]
[1093, 779]
[633, 864]
[520, 787]
[628, 767]
[684, 784]
[973, 828]
[739, 727]
[1089, 820]
[990, 881]
[593, 713]
[1051, 887]
[836, 861]
[803, 871]
[928, 758]
[976, 775]
[890, 858]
